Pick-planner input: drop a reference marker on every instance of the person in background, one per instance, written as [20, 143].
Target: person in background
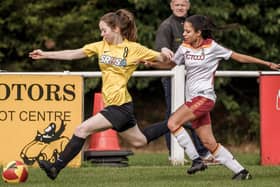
[201, 55]
[118, 55]
[170, 35]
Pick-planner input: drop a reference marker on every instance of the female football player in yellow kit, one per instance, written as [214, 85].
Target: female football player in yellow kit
[118, 55]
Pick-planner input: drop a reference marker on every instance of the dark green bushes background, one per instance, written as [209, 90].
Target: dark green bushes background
[252, 27]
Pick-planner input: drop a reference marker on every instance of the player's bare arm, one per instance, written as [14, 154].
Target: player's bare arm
[59, 55]
[249, 59]
[158, 64]
[163, 61]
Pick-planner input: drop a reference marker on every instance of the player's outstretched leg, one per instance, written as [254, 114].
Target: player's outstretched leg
[156, 130]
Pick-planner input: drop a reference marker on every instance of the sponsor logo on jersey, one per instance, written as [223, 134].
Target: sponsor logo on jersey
[189, 56]
[106, 59]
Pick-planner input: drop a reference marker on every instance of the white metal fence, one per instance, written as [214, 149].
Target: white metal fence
[177, 75]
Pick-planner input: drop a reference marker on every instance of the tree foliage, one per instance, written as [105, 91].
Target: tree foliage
[250, 27]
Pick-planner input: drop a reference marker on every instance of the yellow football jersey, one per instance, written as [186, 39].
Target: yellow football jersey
[117, 63]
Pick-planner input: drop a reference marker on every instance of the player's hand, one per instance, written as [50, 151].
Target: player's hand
[36, 54]
[146, 63]
[274, 66]
[167, 53]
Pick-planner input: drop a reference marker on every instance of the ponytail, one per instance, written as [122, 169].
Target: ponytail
[127, 24]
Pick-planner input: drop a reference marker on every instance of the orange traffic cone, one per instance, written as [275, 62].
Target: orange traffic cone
[104, 140]
[104, 148]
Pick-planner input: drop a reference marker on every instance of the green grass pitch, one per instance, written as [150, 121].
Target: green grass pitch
[154, 170]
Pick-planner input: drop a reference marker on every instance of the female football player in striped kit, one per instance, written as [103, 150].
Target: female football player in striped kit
[201, 56]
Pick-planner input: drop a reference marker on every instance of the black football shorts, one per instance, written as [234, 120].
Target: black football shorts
[121, 117]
